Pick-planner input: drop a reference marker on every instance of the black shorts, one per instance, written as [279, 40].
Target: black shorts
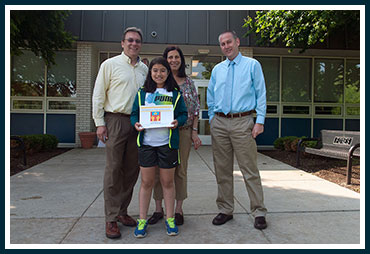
[161, 156]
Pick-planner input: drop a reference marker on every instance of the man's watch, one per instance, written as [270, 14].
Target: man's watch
[195, 129]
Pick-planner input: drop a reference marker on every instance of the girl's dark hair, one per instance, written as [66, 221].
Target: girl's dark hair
[170, 84]
[181, 72]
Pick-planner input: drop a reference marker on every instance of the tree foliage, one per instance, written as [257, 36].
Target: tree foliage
[40, 31]
[301, 28]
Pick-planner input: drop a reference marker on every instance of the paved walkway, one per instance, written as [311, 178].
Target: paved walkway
[60, 201]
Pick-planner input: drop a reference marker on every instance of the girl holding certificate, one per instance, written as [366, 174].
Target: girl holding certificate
[188, 135]
[158, 147]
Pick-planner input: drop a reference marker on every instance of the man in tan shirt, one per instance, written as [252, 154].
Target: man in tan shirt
[116, 85]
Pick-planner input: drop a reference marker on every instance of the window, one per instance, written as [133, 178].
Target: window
[296, 110]
[62, 105]
[328, 80]
[270, 67]
[27, 104]
[27, 75]
[271, 109]
[352, 87]
[29, 93]
[328, 110]
[62, 75]
[202, 66]
[105, 55]
[296, 85]
[353, 111]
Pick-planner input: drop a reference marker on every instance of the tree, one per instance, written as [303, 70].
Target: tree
[301, 29]
[40, 31]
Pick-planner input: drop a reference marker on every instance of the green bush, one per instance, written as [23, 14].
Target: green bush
[49, 142]
[289, 143]
[281, 143]
[39, 142]
[33, 143]
[294, 144]
[312, 144]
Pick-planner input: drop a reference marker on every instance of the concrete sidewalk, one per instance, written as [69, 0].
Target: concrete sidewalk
[60, 201]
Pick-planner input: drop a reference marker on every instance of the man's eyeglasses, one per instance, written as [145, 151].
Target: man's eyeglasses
[131, 40]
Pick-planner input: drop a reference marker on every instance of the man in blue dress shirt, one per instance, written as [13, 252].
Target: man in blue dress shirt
[236, 90]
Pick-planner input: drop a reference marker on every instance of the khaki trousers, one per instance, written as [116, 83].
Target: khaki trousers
[229, 136]
[180, 171]
[122, 168]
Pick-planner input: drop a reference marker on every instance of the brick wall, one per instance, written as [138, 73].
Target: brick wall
[246, 52]
[86, 74]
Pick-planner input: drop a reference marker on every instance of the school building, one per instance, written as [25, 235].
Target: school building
[306, 92]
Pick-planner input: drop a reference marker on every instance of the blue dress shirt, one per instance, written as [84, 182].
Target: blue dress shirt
[249, 90]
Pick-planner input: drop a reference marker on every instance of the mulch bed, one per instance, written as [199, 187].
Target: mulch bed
[329, 169]
[16, 163]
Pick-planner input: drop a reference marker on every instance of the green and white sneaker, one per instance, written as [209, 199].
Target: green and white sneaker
[140, 230]
[171, 227]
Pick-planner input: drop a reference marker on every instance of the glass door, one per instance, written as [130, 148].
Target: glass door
[201, 68]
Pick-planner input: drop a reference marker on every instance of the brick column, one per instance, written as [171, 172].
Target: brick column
[86, 73]
[246, 52]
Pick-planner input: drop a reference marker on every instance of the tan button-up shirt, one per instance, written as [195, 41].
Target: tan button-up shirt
[116, 86]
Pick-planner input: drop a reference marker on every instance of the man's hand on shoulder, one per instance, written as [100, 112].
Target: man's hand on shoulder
[257, 129]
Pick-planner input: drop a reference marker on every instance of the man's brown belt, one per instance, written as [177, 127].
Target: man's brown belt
[116, 114]
[235, 114]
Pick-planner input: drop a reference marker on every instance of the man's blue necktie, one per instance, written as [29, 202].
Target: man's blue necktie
[226, 103]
